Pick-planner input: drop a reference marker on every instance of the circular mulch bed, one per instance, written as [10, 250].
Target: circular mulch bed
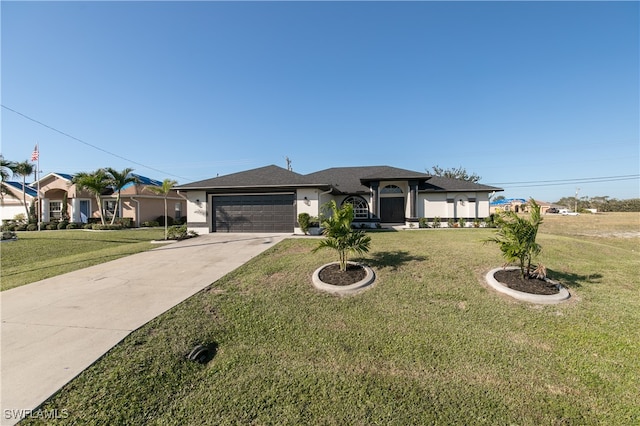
[329, 278]
[512, 279]
[331, 274]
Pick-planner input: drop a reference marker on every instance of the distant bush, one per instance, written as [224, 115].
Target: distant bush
[73, 225]
[150, 224]
[87, 226]
[62, 224]
[22, 227]
[32, 227]
[126, 222]
[51, 226]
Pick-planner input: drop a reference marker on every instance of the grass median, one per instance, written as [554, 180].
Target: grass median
[35, 256]
[429, 343]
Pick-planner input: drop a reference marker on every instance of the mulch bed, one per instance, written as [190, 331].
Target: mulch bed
[331, 274]
[512, 279]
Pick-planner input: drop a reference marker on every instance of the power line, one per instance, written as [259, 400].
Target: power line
[557, 182]
[89, 144]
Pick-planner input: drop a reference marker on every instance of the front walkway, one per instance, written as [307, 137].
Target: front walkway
[55, 328]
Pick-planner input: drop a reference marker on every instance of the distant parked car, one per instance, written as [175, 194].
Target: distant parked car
[553, 210]
[565, 212]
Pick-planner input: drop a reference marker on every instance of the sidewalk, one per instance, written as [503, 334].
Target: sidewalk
[55, 328]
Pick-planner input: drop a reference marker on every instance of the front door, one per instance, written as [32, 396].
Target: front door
[392, 210]
[85, 210]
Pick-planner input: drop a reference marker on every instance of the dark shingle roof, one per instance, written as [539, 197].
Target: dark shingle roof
[269, 176]
[345, 180]
[349, 180]
[444, 184]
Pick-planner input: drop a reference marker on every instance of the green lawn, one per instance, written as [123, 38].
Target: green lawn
[428, 344]
[39, 255]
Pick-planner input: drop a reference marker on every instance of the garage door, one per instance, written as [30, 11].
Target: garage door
[253, 213]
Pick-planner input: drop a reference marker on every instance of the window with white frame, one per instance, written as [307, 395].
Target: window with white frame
[55, 209]
[360, 207]
[110, 208]
[178, 211]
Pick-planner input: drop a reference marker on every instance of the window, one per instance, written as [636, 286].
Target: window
[110, 208]
[360, 207]
[55, 209]
[391, 189]
[178, 211]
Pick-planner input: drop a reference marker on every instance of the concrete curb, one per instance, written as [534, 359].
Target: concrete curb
[343, 289]
[527, 297]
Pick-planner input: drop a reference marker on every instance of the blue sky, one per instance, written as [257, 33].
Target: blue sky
[545, 93]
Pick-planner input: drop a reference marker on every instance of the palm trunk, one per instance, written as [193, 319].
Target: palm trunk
[117, 208]
[165, 218]
[24, 197]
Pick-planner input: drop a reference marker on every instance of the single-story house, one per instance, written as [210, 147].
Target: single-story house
[519, 205]
[136, 203]
[269, 199]
[12, 202]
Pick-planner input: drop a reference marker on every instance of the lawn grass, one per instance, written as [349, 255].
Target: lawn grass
[38, 255]
[428, 344]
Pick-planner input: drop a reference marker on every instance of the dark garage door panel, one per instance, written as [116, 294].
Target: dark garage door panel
[253, 213]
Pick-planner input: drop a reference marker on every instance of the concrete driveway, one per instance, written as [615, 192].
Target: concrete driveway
[53, 329]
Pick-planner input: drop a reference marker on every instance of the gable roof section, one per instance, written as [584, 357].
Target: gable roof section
[264, 177]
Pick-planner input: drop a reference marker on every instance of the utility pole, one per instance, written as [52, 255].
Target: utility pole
[576, 203]
[288, 164]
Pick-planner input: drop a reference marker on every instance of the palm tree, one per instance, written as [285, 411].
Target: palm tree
[23, 169]
[119, 180]
[516, 237]
[96, 183]
[164, 190]
[6, 167]
[340, 236]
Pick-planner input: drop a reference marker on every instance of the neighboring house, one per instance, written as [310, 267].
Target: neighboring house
[269, 199]
[519, 205]
[135, 202]
[12, 203]
[508, 204]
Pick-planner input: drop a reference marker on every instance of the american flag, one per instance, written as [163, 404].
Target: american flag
[35, 154]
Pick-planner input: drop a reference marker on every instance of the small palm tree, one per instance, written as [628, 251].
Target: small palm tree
[96, 183]
[516, 237]
[6, 168]
[23, 169]
[340, 236]
[118, 180]
[164, 190]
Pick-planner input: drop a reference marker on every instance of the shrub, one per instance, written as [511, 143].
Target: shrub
[32, 227]
[125, 222]
[150, 224]
[62, 224]
[179, 232]
[51, 226]
[423, 222]
[160, 220]
[462, 223]
[436, 222]
[87, 226]
[8, 235]
[305, 221]
[106, 227]
[476, 223]
[73, 225]
[22, 227]
[450, 223]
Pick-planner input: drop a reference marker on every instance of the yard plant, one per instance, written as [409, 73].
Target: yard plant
[428, 344]
[340, 235]
[516, 237]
